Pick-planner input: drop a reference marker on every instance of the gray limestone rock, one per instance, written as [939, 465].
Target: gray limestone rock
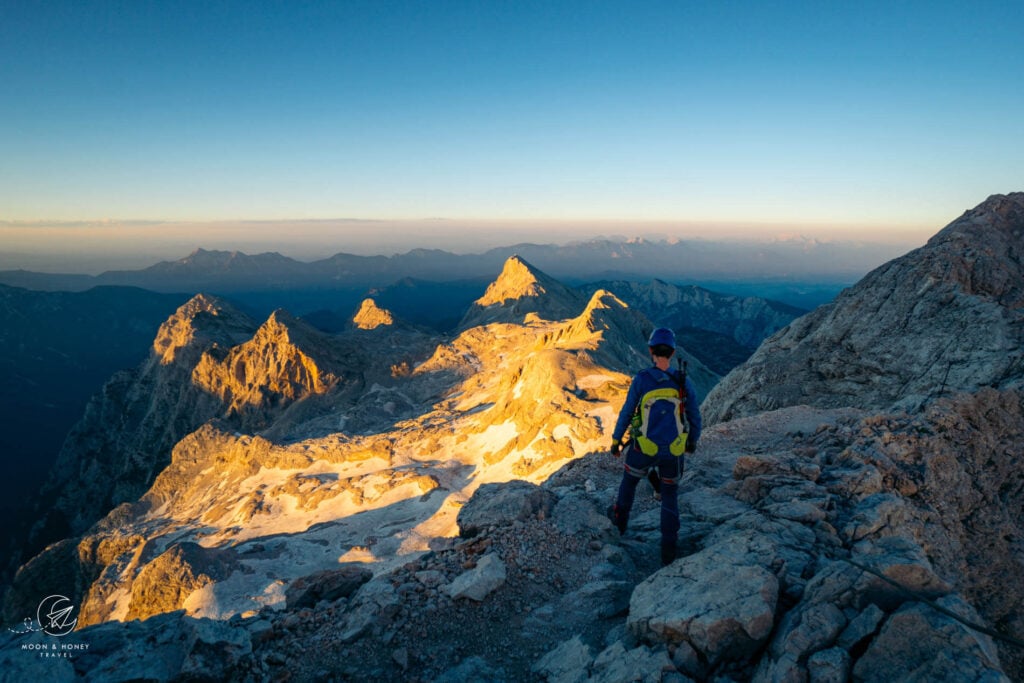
[715, 600]
[946, 317]
[616, 664]
[880, 513]
[806, 630]
[568, 663]
[829, 666]
[599, 599]
[862, 626]
[905, 568]
[575, 514]
[919, 643]
[502, 504]
[688, 661]
[373, 607]
[480, 581]
[327, 585]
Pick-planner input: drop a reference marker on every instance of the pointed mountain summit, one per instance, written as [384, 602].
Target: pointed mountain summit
[125, 437]
[518, 279]
[370, 316]
[521, 289]
[612, 330]
[616, 336]
[199, 323]
[285, 361]
[945, 318]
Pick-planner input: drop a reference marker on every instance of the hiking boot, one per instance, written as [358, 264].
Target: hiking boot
[617, 519]
[668, 555]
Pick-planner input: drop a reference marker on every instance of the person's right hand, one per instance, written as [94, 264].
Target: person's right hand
[616, 448]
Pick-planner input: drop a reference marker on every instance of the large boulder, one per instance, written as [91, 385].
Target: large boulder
[476, 584]
[164, 584]
[920, 643]
[720, 603]
[502, 504]
[328, 585]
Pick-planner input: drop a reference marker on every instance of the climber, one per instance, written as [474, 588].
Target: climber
[663, 416]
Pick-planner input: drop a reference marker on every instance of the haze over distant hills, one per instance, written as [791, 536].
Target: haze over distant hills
[58, 348]
[263, 499]
[800, 272]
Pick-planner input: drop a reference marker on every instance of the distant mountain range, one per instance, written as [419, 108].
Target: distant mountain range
[58, 348]
[263, 500]
[790, 270]
[945, 318]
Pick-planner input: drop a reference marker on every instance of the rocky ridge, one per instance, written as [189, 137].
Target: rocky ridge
[944, 318]
[817, 545]
[323, 481]
[746, 320]
[519, 290]
[820, 543]
[125, 437]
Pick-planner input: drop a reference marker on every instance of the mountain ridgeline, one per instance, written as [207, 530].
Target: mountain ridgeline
[940, 320]
[75, 341]
[798, 271]
[385, 502]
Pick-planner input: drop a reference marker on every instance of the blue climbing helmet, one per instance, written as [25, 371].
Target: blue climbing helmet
[662, 337]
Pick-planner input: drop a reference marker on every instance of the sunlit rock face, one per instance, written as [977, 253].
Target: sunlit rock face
[437, 509]
[126, 435]
[357, 446]
[370, 316]
[520, 290]
[285, 361]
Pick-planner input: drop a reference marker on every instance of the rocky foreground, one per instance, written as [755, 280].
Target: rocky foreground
[820, 545]
[854, 512]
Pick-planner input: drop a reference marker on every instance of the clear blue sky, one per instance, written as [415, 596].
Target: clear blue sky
[879, 114]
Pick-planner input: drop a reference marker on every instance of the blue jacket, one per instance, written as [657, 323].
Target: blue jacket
[648, 380]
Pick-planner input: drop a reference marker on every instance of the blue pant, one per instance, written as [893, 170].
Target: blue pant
[670, 470]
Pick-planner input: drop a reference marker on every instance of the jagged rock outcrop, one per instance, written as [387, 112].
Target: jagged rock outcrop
[944, 318]
[165, 583]
[125, 437]
[521, 289]
[618, 334]
[284, 362]
[370, 316]
[719, 601]
[746, 320]
[817, 547]
[816, 542]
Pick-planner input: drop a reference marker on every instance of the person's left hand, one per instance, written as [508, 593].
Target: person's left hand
[616, 449]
